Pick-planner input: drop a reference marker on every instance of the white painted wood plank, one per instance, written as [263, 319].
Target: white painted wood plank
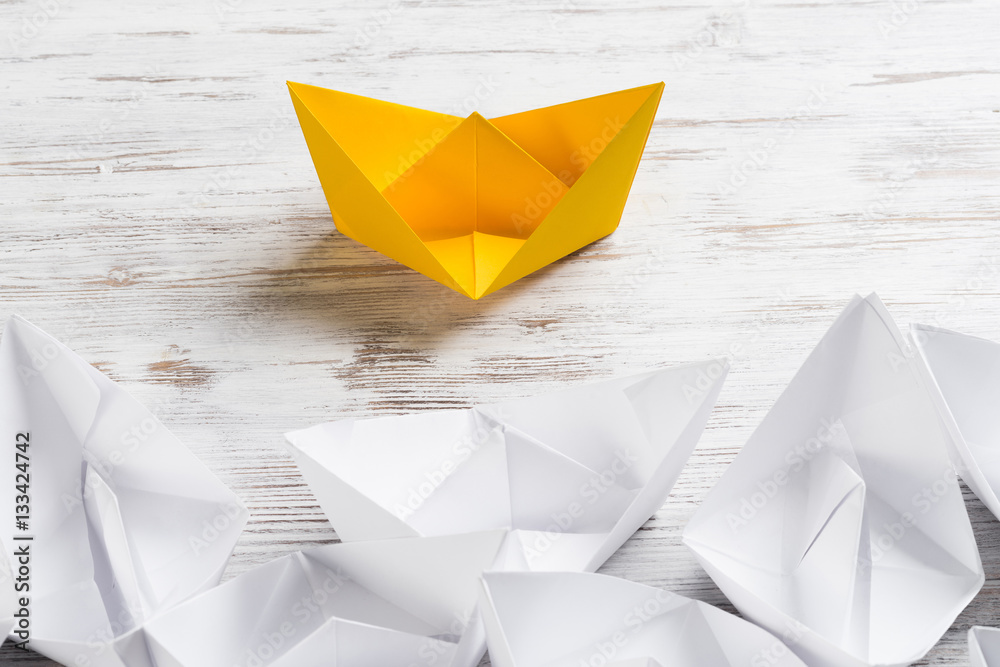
[161, 215]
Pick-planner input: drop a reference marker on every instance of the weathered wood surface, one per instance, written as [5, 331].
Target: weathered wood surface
[161, 215]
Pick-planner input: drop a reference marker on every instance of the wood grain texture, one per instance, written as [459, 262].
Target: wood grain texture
[160, 214]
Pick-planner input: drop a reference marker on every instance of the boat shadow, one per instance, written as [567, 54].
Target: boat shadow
[339, 283]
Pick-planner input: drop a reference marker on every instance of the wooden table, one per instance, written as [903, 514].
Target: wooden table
[161, 215]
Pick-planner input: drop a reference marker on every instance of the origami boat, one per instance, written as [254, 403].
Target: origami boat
[380, 603]
[474, 203]
[569, 619]
[984, 646]
[842, 516]
[572, 474]
[965, 371]
[125, 521]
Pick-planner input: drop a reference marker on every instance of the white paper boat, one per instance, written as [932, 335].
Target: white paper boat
[406, 602]
[984, 646]
[965, 371]
[573, 474]
[125, 520]
[843, 512]
[572, 619]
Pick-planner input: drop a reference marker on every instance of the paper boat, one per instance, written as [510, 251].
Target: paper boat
[123, 520]
[572, 619]
[965, 371]
[383, 603]
[573, 474]
[474, 203]
[984, 646]
[842, 513]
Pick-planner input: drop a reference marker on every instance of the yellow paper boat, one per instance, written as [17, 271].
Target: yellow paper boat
[474, 203]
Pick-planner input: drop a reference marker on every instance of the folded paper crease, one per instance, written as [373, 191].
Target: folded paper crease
[393, 602]
[567, 619]
[964, 373]
[984, 646]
